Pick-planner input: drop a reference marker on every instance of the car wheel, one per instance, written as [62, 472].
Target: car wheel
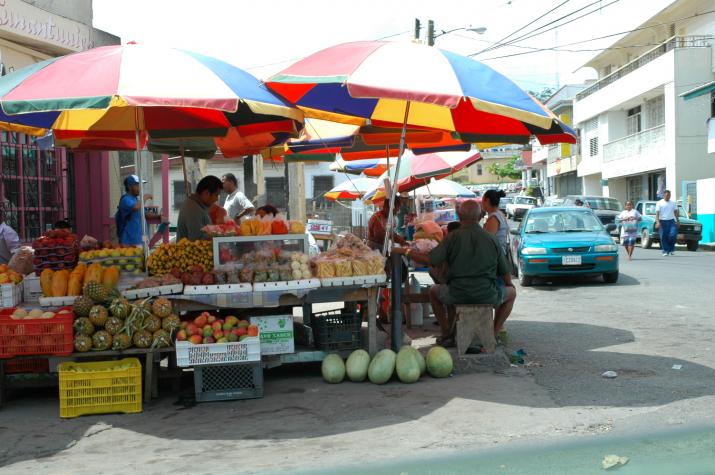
[610, 277]
[646, 241]
[525, 280]
[692, 246]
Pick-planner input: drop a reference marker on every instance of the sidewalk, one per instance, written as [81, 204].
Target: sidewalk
[710, 246]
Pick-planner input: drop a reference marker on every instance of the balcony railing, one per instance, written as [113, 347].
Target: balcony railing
[670, 44]
[636, 144]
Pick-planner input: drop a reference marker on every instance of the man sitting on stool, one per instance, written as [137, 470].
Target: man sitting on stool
[477, 271]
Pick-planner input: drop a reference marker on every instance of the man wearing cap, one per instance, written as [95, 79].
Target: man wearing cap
[128, 216]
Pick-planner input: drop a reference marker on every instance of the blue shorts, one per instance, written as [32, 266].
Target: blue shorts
[629, 240]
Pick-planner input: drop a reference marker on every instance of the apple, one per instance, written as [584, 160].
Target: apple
[227, 326]
[217, 325]
[207, 331]
[196, 339]
[243, 323]
[242, 331]
[222, 340]
[232, 337]
[208, 340]
[232, 320]
[181, 335]
[192, 329]
[201, 320]
[217, 334]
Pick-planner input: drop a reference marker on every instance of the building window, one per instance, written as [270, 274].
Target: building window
[634, 188]
[633, 121]
[321, 185]
[593, 147]
[179, 193]
[655, 112]
[275, 192]
[479, 169]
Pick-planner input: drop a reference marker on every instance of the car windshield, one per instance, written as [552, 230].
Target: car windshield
[505, 200]
[610, 204]
[650, 210]
[565, 221]
[525, 200]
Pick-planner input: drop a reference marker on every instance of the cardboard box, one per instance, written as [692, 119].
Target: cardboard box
[32, 292]
[276, 334]
[10, 295]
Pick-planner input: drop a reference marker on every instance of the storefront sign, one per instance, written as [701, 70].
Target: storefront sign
[20, 18]
[317, 226]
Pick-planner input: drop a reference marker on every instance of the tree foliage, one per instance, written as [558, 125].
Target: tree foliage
[505, 170]
[544, 94]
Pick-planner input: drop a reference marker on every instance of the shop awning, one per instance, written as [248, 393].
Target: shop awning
[699, 91]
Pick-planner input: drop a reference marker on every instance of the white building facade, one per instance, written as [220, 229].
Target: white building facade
[638, 136]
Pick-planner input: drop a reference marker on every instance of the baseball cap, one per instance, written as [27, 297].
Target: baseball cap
[132, 180]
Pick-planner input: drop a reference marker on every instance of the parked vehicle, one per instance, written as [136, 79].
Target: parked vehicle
[605, 208]
[505, 201]
[553, 201]
[689, 232]
[521, 204]
[559, 241]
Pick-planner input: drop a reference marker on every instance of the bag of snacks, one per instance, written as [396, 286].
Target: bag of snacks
[324, 268]
[279, 225]
[343, 268]
[297, 227]
[359, 267]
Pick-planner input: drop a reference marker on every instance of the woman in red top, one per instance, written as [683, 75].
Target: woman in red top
[377, 227]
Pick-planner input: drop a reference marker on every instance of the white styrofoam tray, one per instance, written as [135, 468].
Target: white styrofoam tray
[217, 289]
[286, 285]
[153, 291]
[57, 301]
[355, 280]
[189, 354]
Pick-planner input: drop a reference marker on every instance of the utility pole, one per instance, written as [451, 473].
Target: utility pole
[430, 33]
[418, 27]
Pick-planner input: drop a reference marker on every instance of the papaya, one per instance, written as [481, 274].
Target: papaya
[80, 269]
[46, 282]
[94, 273]
[110, 277]
[74, 286]
[59, 283]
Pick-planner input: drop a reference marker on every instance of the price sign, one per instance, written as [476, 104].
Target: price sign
[318, 226]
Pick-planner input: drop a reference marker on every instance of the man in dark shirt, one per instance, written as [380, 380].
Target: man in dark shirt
[477, 270]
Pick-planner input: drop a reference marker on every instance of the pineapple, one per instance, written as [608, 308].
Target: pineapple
[142, 339]
[161, 307]
[113, 325]
[161, 339]
[135, 321]
[120, 308]
[82, 306]
[152, 323]
[82, 343]
[121, 341]
[98, 316]
[83, 326]
[171, 323]
[101, 340]
[96, 292]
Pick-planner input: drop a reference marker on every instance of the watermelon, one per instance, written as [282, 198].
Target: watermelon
[420, 360]
[333, 369]
[439, 362]
[357, 364]
[408, 369]
[382, 366]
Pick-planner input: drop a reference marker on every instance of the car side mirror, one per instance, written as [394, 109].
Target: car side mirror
[611, 227]
[515, 232]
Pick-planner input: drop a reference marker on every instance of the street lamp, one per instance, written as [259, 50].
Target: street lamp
[431, 36]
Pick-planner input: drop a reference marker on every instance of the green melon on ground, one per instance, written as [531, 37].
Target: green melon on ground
[333, 369]
[420, 359]
[382, 366]
[356, 365]
[406, 365]
[439, 362]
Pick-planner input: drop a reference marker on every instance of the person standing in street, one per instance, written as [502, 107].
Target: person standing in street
[128, 217]
[496, 221]
[629, 219]
[236, 204]
[667, 221]
[194, 212]
[9, 240]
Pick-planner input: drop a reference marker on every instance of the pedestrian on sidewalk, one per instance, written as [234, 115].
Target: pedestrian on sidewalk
[667, 221]
[629, 219]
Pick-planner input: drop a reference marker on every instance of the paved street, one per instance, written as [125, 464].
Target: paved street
[658, 315]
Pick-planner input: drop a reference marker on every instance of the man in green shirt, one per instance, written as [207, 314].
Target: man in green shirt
[477, 270]
[194, 212]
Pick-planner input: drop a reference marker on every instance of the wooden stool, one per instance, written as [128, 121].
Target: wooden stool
[471, 321]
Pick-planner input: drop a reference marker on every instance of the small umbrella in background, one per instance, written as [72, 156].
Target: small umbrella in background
[444, 189]
[351, 189]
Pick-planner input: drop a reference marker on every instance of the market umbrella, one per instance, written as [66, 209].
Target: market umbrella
[114, 97]
[372, 168]
[444, 189]
[351, 189]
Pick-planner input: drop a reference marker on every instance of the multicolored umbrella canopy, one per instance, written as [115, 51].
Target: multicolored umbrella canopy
[372, 168]
[376, 80]
[418, 170]
[444, 188]
[99, 98]
[351, 189]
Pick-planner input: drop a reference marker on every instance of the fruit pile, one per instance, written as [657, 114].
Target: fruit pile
[104, 320]
[159, 281]
[207, 329]
[63, 283]
[23, 314]
[183, 255]
[128, 258]
[9, 276]
[56, 250]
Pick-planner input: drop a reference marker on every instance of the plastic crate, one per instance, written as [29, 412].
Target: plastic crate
[36, 336]
[228, 382]
[189, 354]
[27, 365]
[336, 330]
[101, 387]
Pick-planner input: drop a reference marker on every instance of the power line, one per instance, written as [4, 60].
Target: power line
[529, 35]
[525, 26]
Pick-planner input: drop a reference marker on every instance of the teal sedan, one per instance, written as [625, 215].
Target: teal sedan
[562, 241]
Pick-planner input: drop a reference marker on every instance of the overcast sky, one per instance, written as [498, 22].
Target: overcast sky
[265, 36]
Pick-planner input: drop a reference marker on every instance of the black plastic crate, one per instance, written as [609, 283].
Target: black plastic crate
[336, 330]
[228, 382]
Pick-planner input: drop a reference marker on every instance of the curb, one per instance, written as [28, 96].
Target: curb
[707, 247]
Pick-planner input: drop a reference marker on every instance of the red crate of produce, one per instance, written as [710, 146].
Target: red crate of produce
[36, 336]
[28, 365]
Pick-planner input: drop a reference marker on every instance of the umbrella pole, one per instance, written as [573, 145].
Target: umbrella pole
[183, 167]
[396, 278]
[138, 168]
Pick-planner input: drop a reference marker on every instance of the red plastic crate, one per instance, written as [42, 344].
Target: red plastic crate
[28, 365]
[36, 336]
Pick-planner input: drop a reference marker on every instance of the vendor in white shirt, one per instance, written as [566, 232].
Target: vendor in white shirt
[9, 240]
[236, 204]
[667, 221]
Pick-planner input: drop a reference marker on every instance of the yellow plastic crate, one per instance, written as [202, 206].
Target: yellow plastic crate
[100, 387]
